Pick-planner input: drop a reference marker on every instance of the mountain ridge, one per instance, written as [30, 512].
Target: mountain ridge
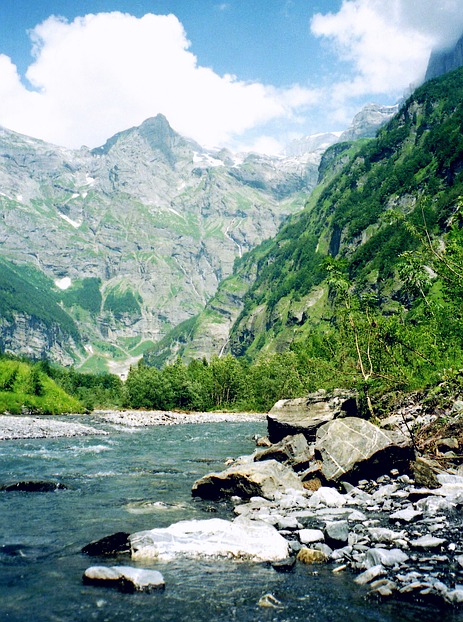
[283, 287]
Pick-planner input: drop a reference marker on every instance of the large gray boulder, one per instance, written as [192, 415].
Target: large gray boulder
[241, 539]
[352, 448]
[306, 414]
[294, 451]
[253, 479]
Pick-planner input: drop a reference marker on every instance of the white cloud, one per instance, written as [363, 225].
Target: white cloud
[387, 44]
[106, 72]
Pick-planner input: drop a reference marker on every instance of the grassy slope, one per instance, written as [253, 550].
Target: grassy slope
[24, 388]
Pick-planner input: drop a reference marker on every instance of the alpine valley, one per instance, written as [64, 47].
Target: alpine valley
[105, 251]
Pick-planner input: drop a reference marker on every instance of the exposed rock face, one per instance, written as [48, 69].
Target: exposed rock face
[367, 122]
[305, 415]
[150, 213]
[252, 479]
[32, 338]
[241, 539]
[353, 447]
[443, 61]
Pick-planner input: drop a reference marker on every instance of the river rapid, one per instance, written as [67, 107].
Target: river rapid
[140, 478]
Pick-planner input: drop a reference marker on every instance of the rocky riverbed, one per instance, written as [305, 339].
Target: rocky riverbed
[340, 491]
[18, 426]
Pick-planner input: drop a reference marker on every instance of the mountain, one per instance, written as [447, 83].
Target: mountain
[379, 207]
[126, 241]
[443, 61]
[368, 121]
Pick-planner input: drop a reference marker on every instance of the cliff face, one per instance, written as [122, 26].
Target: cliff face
[27, 335]
[134, 237]
[443, 61]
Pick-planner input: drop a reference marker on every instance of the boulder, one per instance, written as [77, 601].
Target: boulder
[242, 539]
[253, 479]
[425, 472]
[293, 451]
[114, 544]
[428, 542]
[34, 486]
[336, 533]
[384, 557]
[304, 415]
[352, 448]
[310, 536]
[124, 578]
[311, 556]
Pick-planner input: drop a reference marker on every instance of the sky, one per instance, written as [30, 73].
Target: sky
[242, 74]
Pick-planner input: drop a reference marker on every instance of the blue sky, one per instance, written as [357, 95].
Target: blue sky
[247, 74]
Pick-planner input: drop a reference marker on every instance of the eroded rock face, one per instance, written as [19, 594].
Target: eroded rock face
[306, 414]
[351, 448]
[253, 479]
[242, 539]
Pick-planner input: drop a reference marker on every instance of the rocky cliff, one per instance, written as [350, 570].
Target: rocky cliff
[443, 61]
[132, 238]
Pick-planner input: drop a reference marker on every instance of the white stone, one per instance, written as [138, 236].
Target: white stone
[434, 505]
[370, 574]
[241, 539]
[385, 557]
[427, 542]
[139, 578]
[382, 534]
[406, 515]
[309, 536]
[454, 596]
[329, 497]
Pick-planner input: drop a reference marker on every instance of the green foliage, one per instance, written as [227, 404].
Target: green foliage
[122, 303]
[100, 390]
[85, 294]
[26, 387]
[26, 291]
[378, 212]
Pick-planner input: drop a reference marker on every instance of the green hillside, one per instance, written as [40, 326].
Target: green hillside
[364, 285]
[27, 291]
[25, 388]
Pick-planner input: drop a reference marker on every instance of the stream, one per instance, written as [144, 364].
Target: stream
[135, 479]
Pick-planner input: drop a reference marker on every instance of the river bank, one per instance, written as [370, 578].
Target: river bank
[23, 427]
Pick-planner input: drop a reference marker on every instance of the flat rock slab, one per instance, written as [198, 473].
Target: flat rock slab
[124, 578]
[304, 415]
[242, 539]
[252, 479]
[351, 448]
[427, 542]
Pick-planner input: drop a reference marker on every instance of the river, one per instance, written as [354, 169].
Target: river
[139, 479]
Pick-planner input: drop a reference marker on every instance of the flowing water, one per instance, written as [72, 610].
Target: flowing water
[141, 479]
